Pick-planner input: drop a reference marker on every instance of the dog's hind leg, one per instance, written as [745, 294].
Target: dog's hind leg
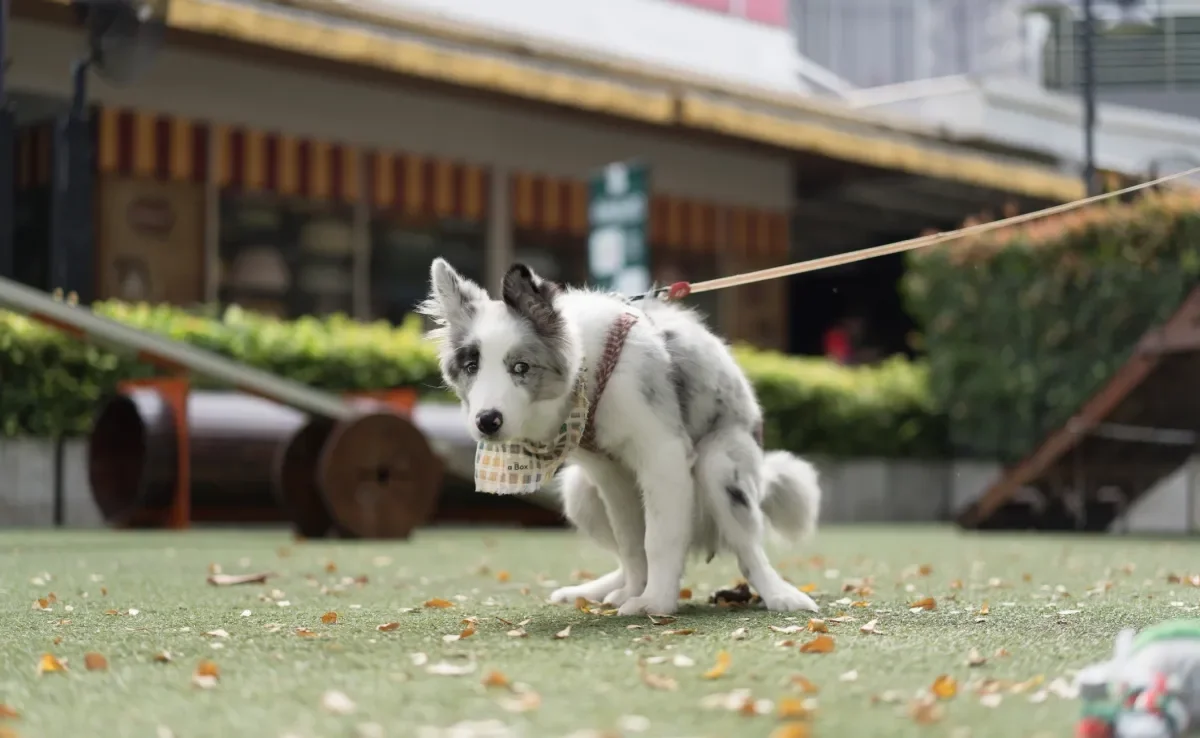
[728, 474]
[585, 509]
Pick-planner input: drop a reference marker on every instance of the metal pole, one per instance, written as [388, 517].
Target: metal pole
[1089, 99]
[8, 145]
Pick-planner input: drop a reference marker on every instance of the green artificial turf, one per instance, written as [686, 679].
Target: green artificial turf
[272, 680]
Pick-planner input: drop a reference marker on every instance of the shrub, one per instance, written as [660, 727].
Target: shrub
[1023, 324]
[51, 382]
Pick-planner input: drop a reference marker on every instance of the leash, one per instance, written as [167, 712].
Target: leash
[680, 290]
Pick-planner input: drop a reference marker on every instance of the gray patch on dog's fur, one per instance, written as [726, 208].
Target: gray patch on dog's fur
[547, 377]
[532, 299]
[737, 497]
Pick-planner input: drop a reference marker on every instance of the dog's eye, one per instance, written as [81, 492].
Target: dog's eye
[520, 368]
[471, 367]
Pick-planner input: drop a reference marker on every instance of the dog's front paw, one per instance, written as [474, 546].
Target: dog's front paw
[650, 605]
[564, 595]
[788, 599]
[619, 597]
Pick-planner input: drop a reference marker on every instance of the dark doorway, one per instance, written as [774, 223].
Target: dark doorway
[867, 289]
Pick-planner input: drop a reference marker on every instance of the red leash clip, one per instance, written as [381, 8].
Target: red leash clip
[679, 290]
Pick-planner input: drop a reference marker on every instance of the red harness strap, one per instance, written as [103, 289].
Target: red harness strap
[604, 369]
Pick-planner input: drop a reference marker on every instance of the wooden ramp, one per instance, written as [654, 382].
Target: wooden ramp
[1142, 426]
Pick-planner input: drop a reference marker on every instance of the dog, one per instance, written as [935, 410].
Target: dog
[676, 467]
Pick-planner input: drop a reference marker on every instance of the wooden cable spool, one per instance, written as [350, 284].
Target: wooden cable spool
[372, 475]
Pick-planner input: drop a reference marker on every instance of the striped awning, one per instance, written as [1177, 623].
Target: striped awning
[559, 205]
[549, 205]
[145, 144]
[426, 187]
[34, 153]
[251, 160]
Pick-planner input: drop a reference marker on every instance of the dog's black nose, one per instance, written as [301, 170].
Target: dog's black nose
[489, 421]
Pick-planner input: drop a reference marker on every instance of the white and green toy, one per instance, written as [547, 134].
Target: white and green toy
[1149, 689]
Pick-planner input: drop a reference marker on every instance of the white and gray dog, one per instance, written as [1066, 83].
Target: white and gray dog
[681, 469]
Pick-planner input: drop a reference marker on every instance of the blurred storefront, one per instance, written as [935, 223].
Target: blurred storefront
[296, 175]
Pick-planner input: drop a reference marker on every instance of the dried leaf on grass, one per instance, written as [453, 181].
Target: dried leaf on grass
[804, 685]
[656, 681]
[817, 626]
[724, 661]
[206, 675]
[228, 580]
[870, 627]
[925, 711]
[792, 729]
[387, 627]
[564, 633]
[445, 668]
[820, 644]
[337, 702]
[739, 634]
[685, 594]
[679, 632]
[944, 687]
[793, 708]
[49, 664]
[807, 588]
[465, 633]
[850, 676]
[503, 576]
[306, 633]
[524, 701]
[517, 633]
[974, 658]
[984, 610]
[438, 602]
[8, 713]
[925, 603]
[495, 679]
[218, 633]
[163, 657]
[329, 618]
[95, 662]
[785, 628]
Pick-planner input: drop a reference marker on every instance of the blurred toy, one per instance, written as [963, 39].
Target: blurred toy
[1149, 689]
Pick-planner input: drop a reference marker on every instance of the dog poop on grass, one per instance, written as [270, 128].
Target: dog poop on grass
[739, 596]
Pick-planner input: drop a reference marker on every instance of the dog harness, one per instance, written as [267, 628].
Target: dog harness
[613, 345]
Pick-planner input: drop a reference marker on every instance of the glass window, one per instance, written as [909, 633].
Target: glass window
[559, 258]
[286, 257]
[402, 252]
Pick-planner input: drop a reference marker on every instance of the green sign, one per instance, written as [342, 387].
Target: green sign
[619, 222]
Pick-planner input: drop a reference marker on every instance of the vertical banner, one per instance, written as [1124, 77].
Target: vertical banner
[618, 226]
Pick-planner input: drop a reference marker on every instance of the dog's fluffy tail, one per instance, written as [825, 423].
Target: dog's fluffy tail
[792, 502]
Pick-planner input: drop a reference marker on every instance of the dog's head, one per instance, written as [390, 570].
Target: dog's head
[512, 361]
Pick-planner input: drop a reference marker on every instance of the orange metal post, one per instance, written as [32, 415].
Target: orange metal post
[174, 391]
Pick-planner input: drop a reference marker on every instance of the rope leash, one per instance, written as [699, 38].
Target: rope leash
[680, 290]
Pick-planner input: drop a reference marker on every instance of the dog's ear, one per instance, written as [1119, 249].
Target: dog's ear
[452, 297]
[532, 298]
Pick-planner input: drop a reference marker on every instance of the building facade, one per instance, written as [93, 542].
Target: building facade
[298, 163]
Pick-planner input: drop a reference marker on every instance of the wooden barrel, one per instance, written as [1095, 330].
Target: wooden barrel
[234, 440]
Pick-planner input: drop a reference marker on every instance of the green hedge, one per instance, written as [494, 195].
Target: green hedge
[51, 382]
[1023, 324]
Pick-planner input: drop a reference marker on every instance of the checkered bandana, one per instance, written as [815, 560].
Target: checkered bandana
[522, 467]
